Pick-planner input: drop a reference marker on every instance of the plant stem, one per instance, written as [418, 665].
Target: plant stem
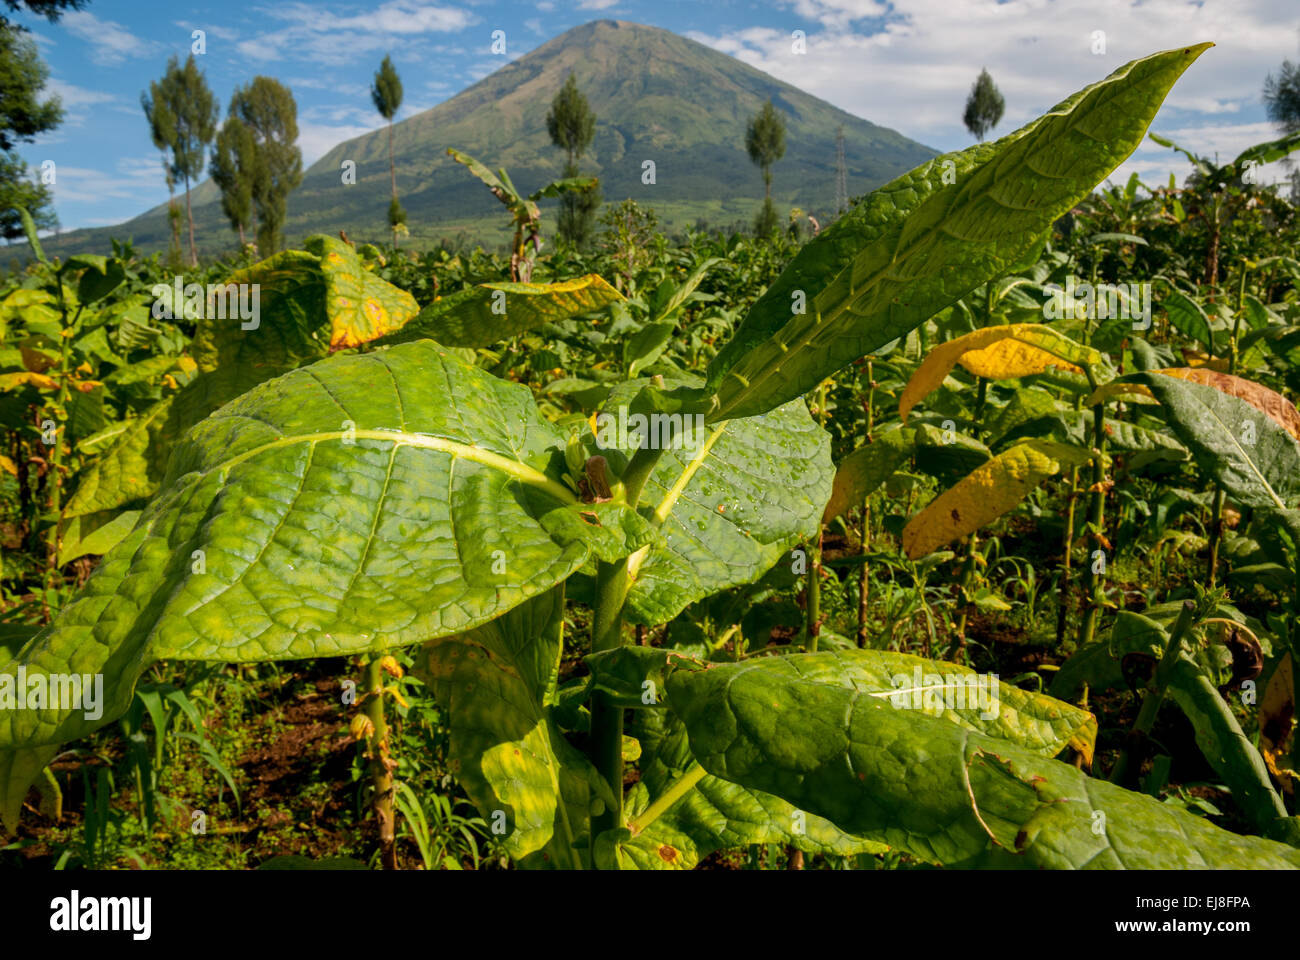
[1155, 696]
[1094, 583]
[1216, 513]
[814, 596]
[381, 772]
[56, 455]
[967, 575]
[612, 583]
[678, 789]
[1216, 534]
[1064, 591]
[864, 580]
[607, 717]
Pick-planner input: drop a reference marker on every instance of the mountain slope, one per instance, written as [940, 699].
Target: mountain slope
[657, 96]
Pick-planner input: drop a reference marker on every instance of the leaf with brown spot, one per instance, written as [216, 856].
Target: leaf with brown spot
[989, 491]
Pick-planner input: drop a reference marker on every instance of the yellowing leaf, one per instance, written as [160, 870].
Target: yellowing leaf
[986, 493]
[996, 353]
[490, 312]
[361, 306]
[1007, 359]
[12, 381]
[8, 466]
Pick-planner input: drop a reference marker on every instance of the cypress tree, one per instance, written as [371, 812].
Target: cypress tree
[572, 126]
[387, 96]
[765, 143]
[984, 106]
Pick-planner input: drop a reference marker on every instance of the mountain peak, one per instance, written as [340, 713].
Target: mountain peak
[663, 102]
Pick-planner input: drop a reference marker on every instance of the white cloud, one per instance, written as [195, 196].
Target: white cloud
[838, 14]
[595, 4]
[221, 33]
[76, 102]
[912, 70]
[534, 24]
[317, 139]
[75, 96]
[134, 178]
[321, 35]
[111, 42]
[485, 67]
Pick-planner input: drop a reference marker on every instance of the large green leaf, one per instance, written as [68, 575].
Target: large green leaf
[923, 241]
[1188, 317]
[933, 788]
[714, 814]
[1224, 744]
[310, 301]
[357, 504]
[486, 314]
[495, 683]
[1237, 444]
[729, 502]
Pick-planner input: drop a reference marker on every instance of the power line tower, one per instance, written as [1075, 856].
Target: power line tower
[841, 174]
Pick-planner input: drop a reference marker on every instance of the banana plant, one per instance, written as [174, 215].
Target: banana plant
[407, 497]
[525, 215]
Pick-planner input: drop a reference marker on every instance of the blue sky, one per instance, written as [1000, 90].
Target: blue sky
[906, 64]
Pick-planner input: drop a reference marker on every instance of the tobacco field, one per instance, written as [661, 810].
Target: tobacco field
[962, 531]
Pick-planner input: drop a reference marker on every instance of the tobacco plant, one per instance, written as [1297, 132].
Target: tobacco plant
[403, 496]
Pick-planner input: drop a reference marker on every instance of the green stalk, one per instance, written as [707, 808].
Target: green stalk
[1216, 513]
[964, 585]
[972, 542]
[612, 583]
[814, 594]
[1216, 534]
[864, 581]
[381, 769]
[814, 612]
[1064, 591]
[607, 717]
[1295, 648]
[1093, 583]
[56, 455]
[1155, 695]
[679, 788]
